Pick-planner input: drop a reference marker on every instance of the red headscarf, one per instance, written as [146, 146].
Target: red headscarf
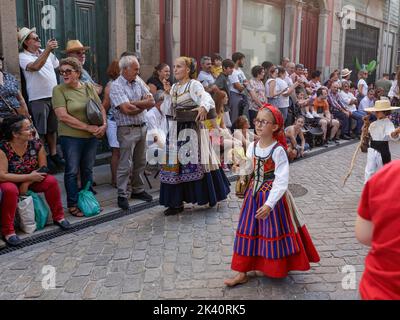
[279, 135]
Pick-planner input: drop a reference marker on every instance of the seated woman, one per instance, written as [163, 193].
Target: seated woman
[21, 157]
[296, 142]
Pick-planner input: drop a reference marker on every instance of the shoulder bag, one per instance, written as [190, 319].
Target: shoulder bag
[93, 110]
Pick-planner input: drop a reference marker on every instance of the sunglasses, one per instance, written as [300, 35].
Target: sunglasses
[66, 72]
[35, 39]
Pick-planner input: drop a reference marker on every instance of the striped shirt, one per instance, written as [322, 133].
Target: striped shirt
[124, 92]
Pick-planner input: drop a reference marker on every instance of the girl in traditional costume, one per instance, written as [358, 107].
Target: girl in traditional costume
[271, 236]
[201, 180]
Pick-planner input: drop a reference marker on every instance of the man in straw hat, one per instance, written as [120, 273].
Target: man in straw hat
[381, 131]
[345, 75]
[38, 67]
[76, 49]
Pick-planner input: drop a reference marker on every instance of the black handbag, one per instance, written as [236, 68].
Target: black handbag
[93, 111]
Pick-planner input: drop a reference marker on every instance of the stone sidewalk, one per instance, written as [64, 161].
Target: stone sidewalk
[150, 256]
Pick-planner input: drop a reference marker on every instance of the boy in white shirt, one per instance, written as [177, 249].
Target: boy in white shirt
[381, 131]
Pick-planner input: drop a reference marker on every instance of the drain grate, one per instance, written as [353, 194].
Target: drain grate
[297, 190]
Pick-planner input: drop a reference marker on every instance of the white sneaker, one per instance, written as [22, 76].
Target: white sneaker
[315, 114]
[309, 115]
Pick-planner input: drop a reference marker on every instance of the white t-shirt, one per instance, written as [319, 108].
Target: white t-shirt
[364, 91]
[281, 182]
[206, 79]
[237, 76]
[39, 84]
[281, 87]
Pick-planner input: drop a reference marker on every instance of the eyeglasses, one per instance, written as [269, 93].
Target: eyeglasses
[66, 72]
[262, 123]
[35, 38]
[30, 128]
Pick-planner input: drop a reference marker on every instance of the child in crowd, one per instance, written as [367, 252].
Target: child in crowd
[271, 237]
[304, 105]
[216, 68]
[295, 138]
[381, 132]
[377, 226]
[321, 106]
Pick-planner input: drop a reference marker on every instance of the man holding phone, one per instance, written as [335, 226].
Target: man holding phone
[38, 67]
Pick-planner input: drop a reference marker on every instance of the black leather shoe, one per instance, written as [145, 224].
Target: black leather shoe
[173, 211]
[144, 196]
[123, 203]
[345, 137]
[64, 225]
[13, 241]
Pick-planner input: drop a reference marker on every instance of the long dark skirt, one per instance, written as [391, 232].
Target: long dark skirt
[192, 183]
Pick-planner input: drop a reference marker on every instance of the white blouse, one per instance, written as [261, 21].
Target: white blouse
[381, 130]
[197, 93]
[281, 182]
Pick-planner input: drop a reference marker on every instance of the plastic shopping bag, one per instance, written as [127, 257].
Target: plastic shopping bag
[88, 203]
[41, 210]
[26, 215]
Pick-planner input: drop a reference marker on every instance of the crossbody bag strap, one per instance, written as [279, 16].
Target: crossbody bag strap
[8, 105]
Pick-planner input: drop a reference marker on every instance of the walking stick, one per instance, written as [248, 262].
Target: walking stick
[363, 146]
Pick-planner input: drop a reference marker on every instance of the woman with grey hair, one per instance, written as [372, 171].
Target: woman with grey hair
[78, 137]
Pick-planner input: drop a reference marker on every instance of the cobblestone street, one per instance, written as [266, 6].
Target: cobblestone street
[149, 256]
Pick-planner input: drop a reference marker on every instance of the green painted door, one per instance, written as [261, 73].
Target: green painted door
[85, 20]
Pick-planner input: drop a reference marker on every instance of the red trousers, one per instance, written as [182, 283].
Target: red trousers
[10, 192]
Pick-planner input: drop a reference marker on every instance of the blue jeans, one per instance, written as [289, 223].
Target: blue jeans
[359, 117]
[285, 112]
[80, 156]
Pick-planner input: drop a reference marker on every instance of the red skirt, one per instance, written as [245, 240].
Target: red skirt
[276, 246]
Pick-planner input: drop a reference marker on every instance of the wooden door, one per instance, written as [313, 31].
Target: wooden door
[85, 20]
[200, 27]
[309, 37]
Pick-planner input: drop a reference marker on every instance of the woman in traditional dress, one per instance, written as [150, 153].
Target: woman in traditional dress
[271, 236]
[192, 172]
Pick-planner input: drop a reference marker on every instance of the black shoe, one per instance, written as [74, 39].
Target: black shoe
[13, 241]
[336, 141]
[123, 203]
[345, 137]
[144, 196]
[325, 144]
[60, 163]
[173, 211]
[64, 225]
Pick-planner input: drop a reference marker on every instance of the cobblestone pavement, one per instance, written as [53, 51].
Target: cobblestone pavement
[149, 256]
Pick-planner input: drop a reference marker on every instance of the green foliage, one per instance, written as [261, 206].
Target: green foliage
[370, 67]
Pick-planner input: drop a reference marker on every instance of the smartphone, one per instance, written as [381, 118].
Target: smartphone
[43, 170]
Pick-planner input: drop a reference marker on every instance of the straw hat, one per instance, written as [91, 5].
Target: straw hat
[23, 34]
[382, 105]
[346, 72]
[75, 45]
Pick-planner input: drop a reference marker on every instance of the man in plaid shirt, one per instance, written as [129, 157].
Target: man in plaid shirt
[339, 111]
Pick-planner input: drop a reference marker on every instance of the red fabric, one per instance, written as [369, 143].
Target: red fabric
[279, 135]
[380, 204]
[9, 201]
[281, 267]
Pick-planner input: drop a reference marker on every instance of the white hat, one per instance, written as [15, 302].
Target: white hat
[23, 34]
[382, 105]
[346, 72]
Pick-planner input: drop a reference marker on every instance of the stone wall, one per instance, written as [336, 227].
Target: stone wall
[8, 35]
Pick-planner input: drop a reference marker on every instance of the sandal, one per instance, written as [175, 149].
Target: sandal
[76, 212]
